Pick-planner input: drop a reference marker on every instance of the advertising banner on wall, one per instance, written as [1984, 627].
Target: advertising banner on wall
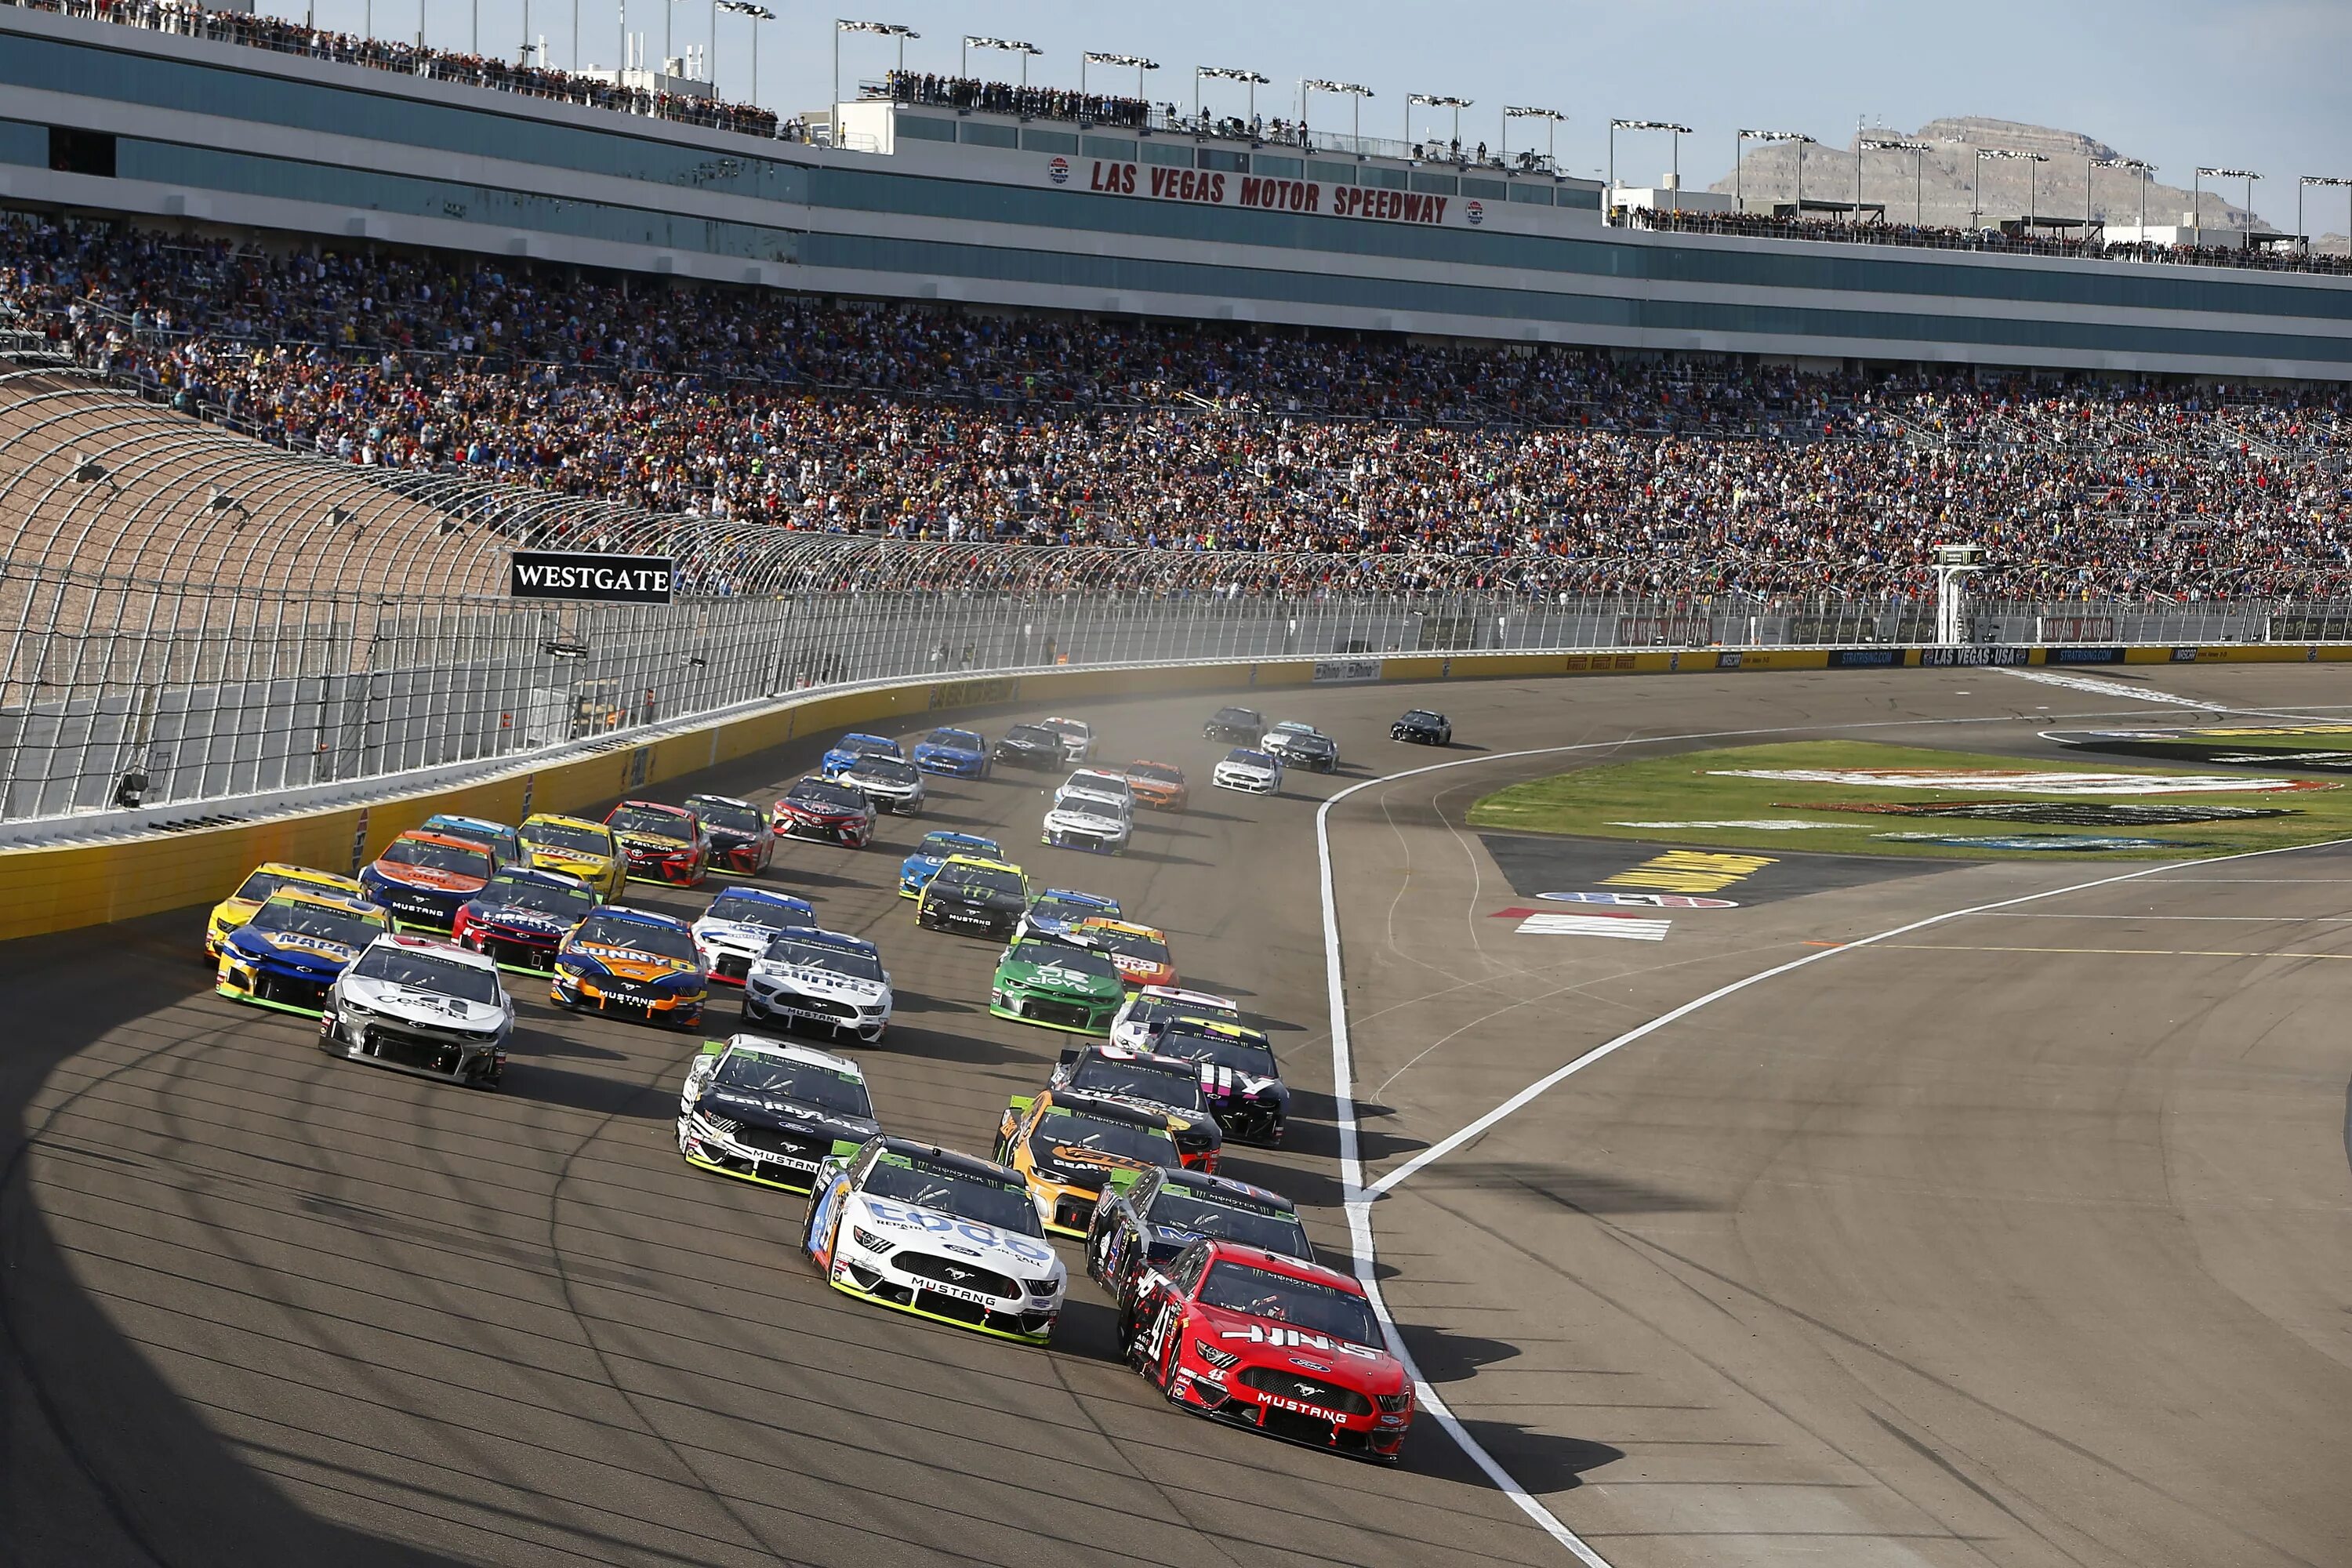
[606, 579]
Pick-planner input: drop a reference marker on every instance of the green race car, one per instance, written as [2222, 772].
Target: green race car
[1056, 987]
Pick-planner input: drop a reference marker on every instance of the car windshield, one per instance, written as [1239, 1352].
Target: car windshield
[1317, 743]
[1151, 1009]
[563, 836]
[1032, 734]
[1173, 1086]
[890, 768]
[1060, 955]
[1238, 718]
[1421, 716]
[1306, 1304]
[1231, 1218]
[1160, 773]
[954, 740]
[653, 824]
[907, 1179]
[827, 1089]
[846, 961]
[261, 884]
[639, 936]
[979, 880]
[428, 971]
[745, 909]
[1242, 1053]
[316, 920]
[1249, 758]
[946, 844]
[734, 818]
[1054, 908]
[1127, 943]
[1062, 726]
[508, 893]
[1067, 1137]
[869, 746]
[824, 791]
[493, 839]
[439, 857]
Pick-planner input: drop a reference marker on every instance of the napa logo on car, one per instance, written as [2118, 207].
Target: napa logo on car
[1058, 171]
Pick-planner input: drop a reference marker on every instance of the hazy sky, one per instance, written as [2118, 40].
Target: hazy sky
[2258, 84]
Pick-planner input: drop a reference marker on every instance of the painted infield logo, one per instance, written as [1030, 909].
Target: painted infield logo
[2063, 841]
[1640, 900]
[2029, 779]
[2052, 813]
[1691, 871]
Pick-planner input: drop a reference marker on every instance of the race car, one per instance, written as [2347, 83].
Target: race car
[936, 850]
[1076, 736]
[1237, 1073]
[522, 916]
[1235, 726]
[422, 878]
[1170, 1085]
[583, 848]
[1423, 728]
[421, 1006]
[936, 1233]
[1259, 1339]
[1140, 951]
[497, 838]
[1160, 785]
[892, 784]
[770, 1112]
[981, 898]
[826, 811]
[812, 978]
[663, 843]
[1069, 1146]
[1100, 783]
[1082, 819]
[1150, 1005]
[958, 753]
[844, 753]
[1054, 911]
[740, 843]
[1028, 746]
[735, 930]
[1302, 745]
[1056, 985]
[288, 955]
[1148, 1222]
[1254, 773]
[631, 962]
[253, 892]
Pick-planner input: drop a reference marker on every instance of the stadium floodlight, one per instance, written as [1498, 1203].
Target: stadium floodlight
[1551, 119]
[1136, 63]
[1679, 132]
[1227, 73]
[1009, 45]
[2197, 197]
[898, 30]
[1739, 150]
[1435, 101]
[1919, 150]
[2145, 169]
[2333, 182]
[1975, 192]
[1353, 89]
[755, 15]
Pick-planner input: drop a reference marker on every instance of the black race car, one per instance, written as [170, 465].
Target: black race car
[1238, 1074]
[1423, 728]
[1234, 726]
[739, 840]
[1028, 746]
[1164, 1212]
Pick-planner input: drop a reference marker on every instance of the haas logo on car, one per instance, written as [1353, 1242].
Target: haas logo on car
[1058, 171]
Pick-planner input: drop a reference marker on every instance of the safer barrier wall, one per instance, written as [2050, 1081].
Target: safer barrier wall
[66, 887]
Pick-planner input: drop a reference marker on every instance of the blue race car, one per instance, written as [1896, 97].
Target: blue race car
[919, 868]
[1054, 911]
[295, 945]
[849, 748]
[733, 932]
[959, 754]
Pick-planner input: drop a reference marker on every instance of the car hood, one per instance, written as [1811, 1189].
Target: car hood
[1182, 1118]
[824, 811]
[562, 859]
[979, 898]
[1085, 817]
[876, 783]
[629, 963]
[790, 1115]
[1221, 1082]
[734, 933]
[421, 1007]
[431, 877]
[1022, 744]
[1063, 981]
[1265, 1341]
[730, 837]
[293, 945]
[934, 749]
[925, 865]
[516, 917]
[909, 1223]
[816, 982]
[661, 842]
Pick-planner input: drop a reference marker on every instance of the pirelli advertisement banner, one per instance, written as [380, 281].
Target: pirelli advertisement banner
[607, 579]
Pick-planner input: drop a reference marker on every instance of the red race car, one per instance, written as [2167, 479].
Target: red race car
[739, 841]
[1262, 1340]
[663, 843]
[826, 811]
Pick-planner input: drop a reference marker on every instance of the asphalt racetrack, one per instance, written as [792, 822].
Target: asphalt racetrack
[2021, 1238]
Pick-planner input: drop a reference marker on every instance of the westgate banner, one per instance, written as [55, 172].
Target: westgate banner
[607, 579]
[1217, 188]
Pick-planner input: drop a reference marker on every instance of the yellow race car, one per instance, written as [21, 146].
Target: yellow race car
[1068, 1145]
[578, 847]
[253, 892]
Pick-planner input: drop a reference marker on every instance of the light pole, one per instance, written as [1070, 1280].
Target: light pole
[1679, 132]
[1009, 45]
[887, 29]
[1919, 150]
[1227, 73]
[1551, 119]
[758, 14]
[1976, 196]
[2196, 198]
[1097, 57]
[1435, 101]
[1352, 90]
[2334, 182]
[1739, 152]
[2145, 170]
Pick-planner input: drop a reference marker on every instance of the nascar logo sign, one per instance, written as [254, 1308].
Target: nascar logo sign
[607, 579]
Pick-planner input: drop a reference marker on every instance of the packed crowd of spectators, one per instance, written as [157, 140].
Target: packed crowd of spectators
[1548, 468]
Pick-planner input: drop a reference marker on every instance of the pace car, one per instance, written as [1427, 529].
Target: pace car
[958, 753]
[1170, 1085]
[1028, 746]
[1069, 1146]
[253, 892]
[1054, 911]
[522, 916]
[735, 930]
[826, 811]
[1237, 1073]
[937, 1234]
[1147, 1224]
[663, 843]
[585, 849]
[770, 1112]
[1154, 1002]
[422, 878]
[892, 784]
[1160, 785]
[1076, 736]
[1235, 726]
[1084, 819]
[844, 753]
[500, 840]
[936, 850]
[812, 978]
[1422, 726]
[980, 898]
[1139, 952]
[1302, 745]
[1056, 985]
[1259, 1339]
[421, 1006]
[288, 955]
[740, 843]
[631, 962]
[1255, 773]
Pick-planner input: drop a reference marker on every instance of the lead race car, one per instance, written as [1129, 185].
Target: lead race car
[770, 1112]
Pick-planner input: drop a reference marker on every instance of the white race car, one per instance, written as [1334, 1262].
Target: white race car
[423, 1005]
[811, 979]
[1078, 737]
[1100, 782]
[936, 1233]
[735, 930]
[1132, 1025]
[892, 786]
[1257, 773]
[770, 1112]
[1084, 817]
[1302, 745]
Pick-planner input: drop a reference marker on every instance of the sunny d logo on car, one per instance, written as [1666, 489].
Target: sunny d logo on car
[769, 1112]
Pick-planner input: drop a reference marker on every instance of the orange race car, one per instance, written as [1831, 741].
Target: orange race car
[1139, 952]
[1160, 785]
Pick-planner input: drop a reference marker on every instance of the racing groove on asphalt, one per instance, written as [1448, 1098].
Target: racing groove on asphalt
[263, 1307]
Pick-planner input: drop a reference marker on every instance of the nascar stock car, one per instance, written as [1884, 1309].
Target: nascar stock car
[935, 851]
[1422, 726]
[1237, 1073]
[1103, 783]
[979, 898]
[740, 843]
[421, 1006]
[634, 963]
[814, 979]
[1028, 746]
[1054, 911]
[1084, 819]
[956, 753]
[1077, 737]
[520, 917]
[826, 811]
[892, 784]
[937, 1234]
[1150, 1005]
[1055, 984]
[734, 933]
[1139, 952]
[253, 892]
[1234, 726]
[1254, 773]
[422, 877]
[840, 756]
[1159, 785]
[580, 847]
[1259, 1339]
[1148, 1222]
[1069, 1146]
[770, 1112]
[288, 953]
[663, 844]
[1302, 745]
[499, 839]
[1170, 1085]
